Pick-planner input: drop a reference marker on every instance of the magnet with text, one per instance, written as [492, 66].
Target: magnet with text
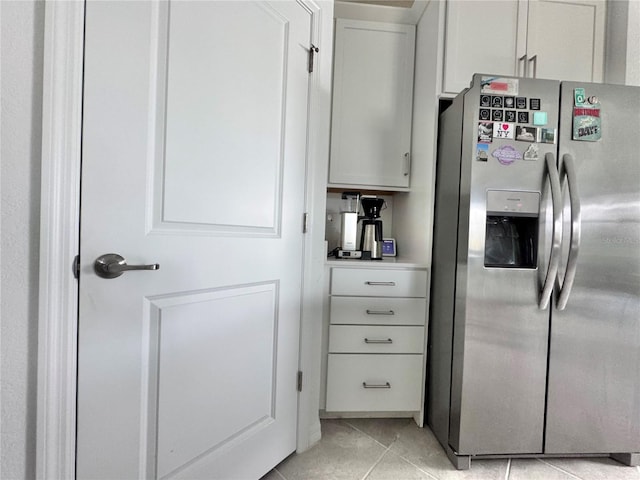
[526, 134]
[510, 116]
[485, 114]
[586, 123]
[482, 152]
[497, 115]
[503, 130]
[485, 132]
[506, 155]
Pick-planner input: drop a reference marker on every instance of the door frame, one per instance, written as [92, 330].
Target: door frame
[59, 234]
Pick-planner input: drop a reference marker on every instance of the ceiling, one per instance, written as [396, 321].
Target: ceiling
[386, 3]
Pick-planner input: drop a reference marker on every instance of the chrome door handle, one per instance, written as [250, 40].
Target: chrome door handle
[380, 312]
[556, 235]
[376, 385]
[574, 236]
[112, 265]
[534, 60]
[373, 340]
[522, 62]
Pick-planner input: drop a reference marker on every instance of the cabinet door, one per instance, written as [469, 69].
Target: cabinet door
[565, 40]
[483, 37]
[372, 104]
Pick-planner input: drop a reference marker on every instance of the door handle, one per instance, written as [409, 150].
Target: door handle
[112, 265]
[534, 61]
[554, 258]
[574, 236]
[522, 66]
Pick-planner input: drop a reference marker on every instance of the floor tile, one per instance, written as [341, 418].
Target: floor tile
[273, 475]
[420, 447]
[393, 467]
[342, 454]
[384, 430]
[596, 468]
[533, 469]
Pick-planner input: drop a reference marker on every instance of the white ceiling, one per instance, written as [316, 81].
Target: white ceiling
[392, 11]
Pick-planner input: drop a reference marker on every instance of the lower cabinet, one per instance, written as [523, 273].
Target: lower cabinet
[377, 342]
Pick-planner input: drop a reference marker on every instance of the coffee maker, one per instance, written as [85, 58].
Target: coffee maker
[371, 235]
[349, 225]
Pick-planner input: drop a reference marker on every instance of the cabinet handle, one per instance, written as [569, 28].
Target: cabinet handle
[534, 60]
[380, 312]
[522, 66]
[388, 340]
[376, 385]
[407, 164]
[381, 284]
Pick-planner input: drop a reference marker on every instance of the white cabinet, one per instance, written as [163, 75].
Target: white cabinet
[555, 39]
[377, 341]
[372, 104]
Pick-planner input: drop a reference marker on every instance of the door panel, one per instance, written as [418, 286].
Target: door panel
[593, 403]
[194, 146]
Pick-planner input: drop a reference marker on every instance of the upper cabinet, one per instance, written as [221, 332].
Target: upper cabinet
[554, 39]
[372, 104]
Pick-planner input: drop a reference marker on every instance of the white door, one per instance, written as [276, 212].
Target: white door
[194, 145]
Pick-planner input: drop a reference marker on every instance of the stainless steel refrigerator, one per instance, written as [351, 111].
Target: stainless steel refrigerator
[534, 345]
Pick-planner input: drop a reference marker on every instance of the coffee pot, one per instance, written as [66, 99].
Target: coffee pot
[371, 235]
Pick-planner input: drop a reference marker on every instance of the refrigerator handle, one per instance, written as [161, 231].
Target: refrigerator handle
[568, 169]
[556, 235]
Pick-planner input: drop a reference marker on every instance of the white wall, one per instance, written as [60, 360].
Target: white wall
[622, 56]
[22, 53]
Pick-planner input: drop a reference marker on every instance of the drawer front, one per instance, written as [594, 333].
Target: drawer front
[378, 311]
[374, 383]
[375, 339]
[378, 283]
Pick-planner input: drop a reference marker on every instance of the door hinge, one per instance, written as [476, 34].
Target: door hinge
[76, 267]
[299, 381]
[305, 222]
[312, 51]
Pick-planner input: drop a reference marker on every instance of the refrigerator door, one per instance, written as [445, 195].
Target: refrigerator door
[500, 335]
[593, 403]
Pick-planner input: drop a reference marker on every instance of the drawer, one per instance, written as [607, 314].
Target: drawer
[378, 283]
[374, 383]
[378, 311]
[375, 339]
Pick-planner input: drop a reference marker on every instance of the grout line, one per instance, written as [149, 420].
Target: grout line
[369, 436]
[280, 474]
[559, 468]
[375, 464]
[508, 471]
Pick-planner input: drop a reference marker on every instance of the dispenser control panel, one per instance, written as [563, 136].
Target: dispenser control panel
[505, 202]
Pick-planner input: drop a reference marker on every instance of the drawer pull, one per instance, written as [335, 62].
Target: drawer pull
[388, 340]
[381, 284]
[380, 312]
[376, 385]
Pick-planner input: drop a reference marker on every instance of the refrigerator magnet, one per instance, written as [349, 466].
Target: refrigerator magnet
[532, 153]
[503, 130]
[482, 152]
[485, 132]
[506, 155]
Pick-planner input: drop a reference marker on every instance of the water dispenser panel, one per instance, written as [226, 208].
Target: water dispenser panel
[511, 239]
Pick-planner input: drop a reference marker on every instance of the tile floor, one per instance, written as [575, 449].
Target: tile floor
[396, 449]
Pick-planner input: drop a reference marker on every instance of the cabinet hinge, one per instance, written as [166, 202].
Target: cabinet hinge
[299, 381]
[312, 51]
[305, 222]
[76, 267]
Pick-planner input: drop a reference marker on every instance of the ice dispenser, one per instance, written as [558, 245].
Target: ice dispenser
[511, 239]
